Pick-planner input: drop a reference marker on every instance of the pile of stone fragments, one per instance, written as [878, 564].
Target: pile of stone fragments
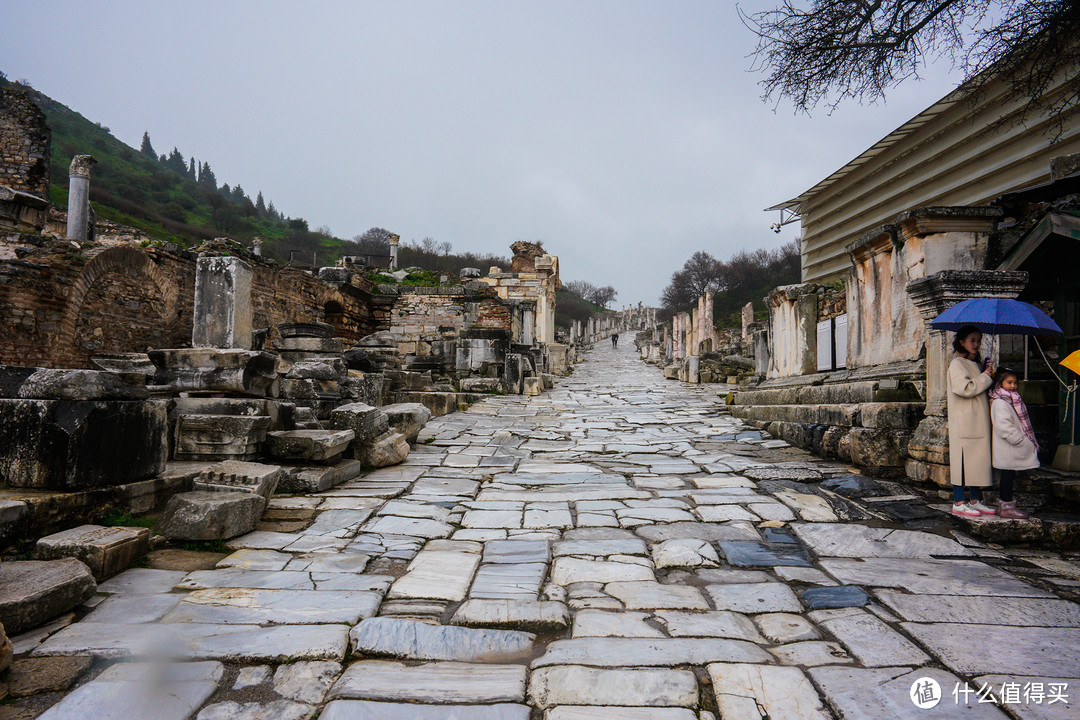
[211, 432]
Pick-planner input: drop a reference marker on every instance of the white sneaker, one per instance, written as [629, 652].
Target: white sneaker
[965, 510]
[983, 509]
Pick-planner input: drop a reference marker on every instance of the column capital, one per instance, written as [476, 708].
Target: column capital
[80, 166]
[936, 293]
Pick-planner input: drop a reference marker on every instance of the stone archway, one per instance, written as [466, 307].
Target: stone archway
[112, 260]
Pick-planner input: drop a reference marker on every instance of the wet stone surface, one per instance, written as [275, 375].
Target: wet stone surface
[617, 547]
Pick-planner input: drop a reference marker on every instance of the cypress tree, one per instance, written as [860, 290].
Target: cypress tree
[191, 168]
[260, 205]
[147, 149]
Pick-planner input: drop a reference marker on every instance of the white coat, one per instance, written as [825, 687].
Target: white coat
[1013, 449]
[969, 424]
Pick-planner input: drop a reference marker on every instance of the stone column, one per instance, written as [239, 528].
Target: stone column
[223, 313]
[393, 240]
[932, 296]
[747, 319]
[709, 332]
[78, 219]
[256, 245]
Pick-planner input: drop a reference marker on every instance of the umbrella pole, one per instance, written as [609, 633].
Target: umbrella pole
[1025, 358]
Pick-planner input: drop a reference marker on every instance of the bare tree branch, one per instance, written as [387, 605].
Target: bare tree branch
[840, 50]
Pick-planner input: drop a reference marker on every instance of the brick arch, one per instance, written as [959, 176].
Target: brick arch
[115, 258]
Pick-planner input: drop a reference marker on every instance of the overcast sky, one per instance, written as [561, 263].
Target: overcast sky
[624, 135]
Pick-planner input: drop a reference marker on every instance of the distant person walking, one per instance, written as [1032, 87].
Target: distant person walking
[969, 380]
[615, 340]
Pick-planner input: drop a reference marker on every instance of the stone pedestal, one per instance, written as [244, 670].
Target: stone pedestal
[222, 303]
[929, 446]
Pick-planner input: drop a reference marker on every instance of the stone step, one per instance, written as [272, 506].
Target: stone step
[1066, 490]
[837, 393]
[105, 550]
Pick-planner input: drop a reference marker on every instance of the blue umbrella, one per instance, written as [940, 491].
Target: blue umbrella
[997, 316]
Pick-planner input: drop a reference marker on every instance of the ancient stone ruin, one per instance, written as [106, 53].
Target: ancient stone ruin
[142, 377]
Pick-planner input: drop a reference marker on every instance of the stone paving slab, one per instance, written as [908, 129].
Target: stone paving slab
[931, 577]
[1007, 650]
[859, 541]
[413, 640]
[368, 710]
[244, 606]
[870, 694]
[126, 691]
[754, 597]
[437, 682]
[133, 608]
[572, 712]
[578, 685]
[982, 610]
[754, 691]
[198, 641]
[659, 652]
[440, 574]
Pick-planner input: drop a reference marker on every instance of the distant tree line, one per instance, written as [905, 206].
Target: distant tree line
[599, 296]
[204, 177]
[747, 277]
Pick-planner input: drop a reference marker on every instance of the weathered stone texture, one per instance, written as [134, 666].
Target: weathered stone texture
[24, 143]
[68, 445]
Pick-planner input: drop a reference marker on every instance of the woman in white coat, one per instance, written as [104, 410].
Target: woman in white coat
[1015, 446]
[969, 379]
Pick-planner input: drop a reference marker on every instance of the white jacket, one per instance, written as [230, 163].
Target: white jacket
[1012, 448]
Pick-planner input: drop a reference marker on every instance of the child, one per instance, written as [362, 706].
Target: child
[1014, 444]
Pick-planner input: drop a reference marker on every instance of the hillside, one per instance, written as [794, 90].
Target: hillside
[169, 199]
[131, 188]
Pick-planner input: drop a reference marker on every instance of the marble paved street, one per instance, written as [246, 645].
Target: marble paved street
[616, 548]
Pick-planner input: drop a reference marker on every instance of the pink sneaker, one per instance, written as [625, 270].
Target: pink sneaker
[1008, 511]
[965, 510]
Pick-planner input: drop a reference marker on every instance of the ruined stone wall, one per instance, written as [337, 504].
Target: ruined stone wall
[62, 305]
[792, 330]
[832, 301]
[423, 315]
[24, 143]
[536, 281]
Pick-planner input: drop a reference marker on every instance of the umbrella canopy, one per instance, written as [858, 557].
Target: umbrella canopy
[997, 316]
[1072, 362]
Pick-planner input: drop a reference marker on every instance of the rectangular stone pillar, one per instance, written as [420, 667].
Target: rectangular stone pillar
[223, 312]
[747, 319]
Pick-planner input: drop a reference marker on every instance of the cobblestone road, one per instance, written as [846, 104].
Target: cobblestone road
[618, 548]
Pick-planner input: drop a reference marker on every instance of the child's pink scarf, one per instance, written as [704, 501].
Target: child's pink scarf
[1000, 393]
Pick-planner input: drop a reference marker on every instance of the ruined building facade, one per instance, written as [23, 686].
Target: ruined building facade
[952, 205]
